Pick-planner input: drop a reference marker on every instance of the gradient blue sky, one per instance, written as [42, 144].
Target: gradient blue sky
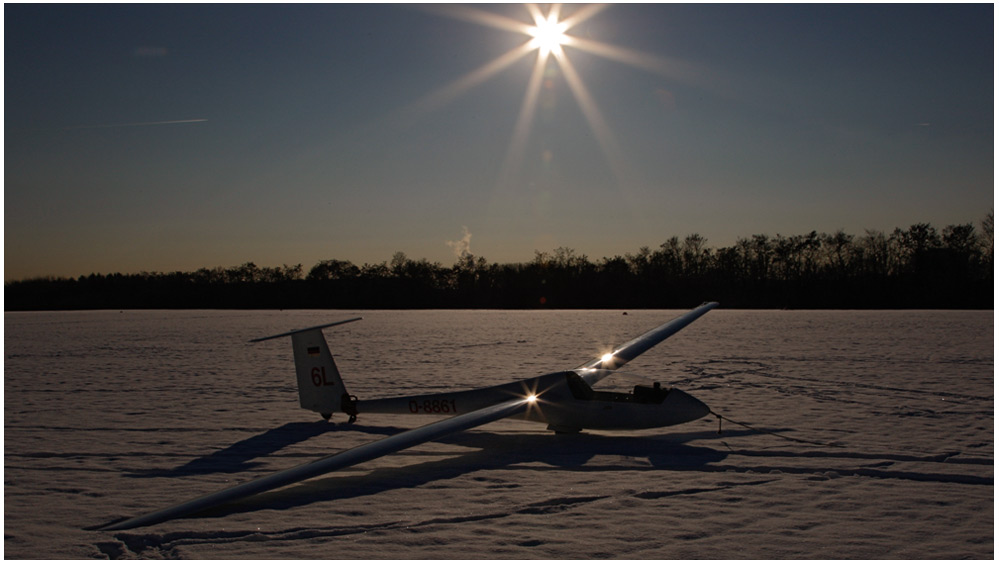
[332, 131]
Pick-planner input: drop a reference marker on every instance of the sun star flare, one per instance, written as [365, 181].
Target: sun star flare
[549, 35]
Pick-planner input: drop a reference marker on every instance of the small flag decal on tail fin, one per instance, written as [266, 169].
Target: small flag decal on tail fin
[313, 351]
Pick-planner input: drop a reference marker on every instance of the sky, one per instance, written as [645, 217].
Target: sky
[173, 137]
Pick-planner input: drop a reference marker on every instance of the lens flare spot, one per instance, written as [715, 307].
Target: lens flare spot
[532, 398]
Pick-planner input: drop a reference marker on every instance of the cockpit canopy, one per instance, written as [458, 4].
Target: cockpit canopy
[647, 393]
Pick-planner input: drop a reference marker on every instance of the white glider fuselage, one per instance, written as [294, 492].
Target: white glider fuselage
[563, 400]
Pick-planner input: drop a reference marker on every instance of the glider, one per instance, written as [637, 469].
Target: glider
[566, 401]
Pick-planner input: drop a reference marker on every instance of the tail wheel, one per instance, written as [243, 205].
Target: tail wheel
[348, 404]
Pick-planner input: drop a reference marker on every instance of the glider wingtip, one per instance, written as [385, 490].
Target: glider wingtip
[127, 523]
[109, 526]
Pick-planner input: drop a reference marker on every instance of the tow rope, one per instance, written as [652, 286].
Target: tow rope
[785, 437]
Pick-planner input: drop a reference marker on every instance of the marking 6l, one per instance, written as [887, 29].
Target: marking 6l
[319, 377]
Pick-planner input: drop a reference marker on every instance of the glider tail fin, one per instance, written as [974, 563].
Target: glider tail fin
[320, 387]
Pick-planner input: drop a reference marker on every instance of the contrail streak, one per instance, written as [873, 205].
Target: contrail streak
[136, 124]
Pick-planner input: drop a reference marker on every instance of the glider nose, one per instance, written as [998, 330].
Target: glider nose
[685, 406]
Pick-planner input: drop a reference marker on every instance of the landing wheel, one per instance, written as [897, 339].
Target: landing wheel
[326, 416]
[352, 419]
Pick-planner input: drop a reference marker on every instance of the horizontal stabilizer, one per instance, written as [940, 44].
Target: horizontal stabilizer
[289, 333]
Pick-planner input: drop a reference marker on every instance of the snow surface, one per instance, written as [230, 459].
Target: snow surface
[115, 414]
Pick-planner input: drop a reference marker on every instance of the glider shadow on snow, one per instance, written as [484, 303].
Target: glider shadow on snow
[239, 456]
[536, 452]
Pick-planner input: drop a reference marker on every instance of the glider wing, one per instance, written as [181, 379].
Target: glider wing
[344, 459]
[629, 351]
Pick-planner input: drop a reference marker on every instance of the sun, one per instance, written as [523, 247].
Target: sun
[549, 34]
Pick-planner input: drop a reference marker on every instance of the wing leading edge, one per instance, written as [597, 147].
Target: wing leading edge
[350, 457]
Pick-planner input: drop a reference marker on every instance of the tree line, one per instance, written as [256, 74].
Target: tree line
[917, 267]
